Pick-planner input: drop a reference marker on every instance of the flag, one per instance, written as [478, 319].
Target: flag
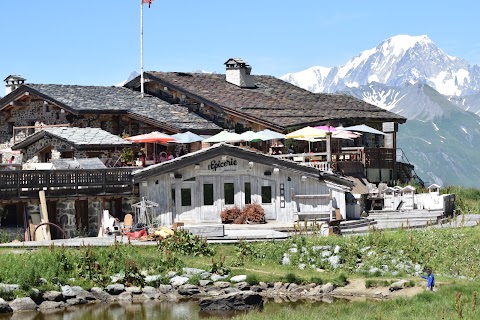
[147, 1]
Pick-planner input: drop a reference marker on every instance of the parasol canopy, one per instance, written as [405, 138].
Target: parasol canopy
[272, 134]
[187, 137]
[224, 136]
[152, 137]
[363, 128]
[305, 133]
[254, 136]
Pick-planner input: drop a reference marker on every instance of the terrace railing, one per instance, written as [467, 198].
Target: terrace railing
[61, 183]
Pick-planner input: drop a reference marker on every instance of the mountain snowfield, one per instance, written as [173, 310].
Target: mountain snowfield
[437, 93]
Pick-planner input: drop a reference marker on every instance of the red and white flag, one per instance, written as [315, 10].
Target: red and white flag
[147, 1]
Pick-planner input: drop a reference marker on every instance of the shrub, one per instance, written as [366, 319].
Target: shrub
[185, 243]
[340, 280]
[316, 280]
[252, 279]
[293, 278]
[254, 213]
[229, 215]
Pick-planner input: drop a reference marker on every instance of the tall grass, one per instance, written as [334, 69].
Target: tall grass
[467, 200]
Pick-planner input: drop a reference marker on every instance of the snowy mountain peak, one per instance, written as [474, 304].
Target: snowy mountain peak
[397, 61]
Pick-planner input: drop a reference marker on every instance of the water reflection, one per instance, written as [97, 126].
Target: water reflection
[151, 310]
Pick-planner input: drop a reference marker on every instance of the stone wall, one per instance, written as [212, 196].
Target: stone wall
[94, 215]
[66, 216]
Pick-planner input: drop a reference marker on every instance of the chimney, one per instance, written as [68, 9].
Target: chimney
[238, 73]
[12, 82]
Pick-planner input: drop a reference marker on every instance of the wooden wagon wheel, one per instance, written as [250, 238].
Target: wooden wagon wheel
[50, 224]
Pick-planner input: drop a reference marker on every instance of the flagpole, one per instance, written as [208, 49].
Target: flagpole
[141, 49]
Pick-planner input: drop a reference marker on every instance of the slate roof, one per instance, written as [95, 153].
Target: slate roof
[114, 100]
[80, 138]
[221, 149]
[273, 101]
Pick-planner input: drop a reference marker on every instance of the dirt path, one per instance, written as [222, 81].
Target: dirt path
[356, 289]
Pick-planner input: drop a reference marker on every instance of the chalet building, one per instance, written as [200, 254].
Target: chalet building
[240, 101]
[70, 143]
[29, 107]
[198, 186]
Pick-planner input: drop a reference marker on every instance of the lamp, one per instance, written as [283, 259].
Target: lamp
[276, 171]
[304, 178]
[171, 175]
[250, 164]
[197, 167]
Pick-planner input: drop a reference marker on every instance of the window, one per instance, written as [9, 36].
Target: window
[266, 194]
[173, 196]
[229, 193]
[208, 194]
[248, 193]
[66, 154]
[186, 195]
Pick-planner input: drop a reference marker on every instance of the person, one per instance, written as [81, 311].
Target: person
[430, 279]
[10, 162]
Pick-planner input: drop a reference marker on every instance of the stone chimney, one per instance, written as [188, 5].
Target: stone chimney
[238, 73]
[12, 82]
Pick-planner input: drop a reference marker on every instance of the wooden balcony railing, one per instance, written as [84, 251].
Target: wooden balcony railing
[60, 183]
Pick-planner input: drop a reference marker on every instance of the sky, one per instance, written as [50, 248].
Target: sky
[97, 42]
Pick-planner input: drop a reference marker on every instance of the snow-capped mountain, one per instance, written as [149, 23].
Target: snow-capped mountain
[437, 93]
[132, 76]
[396, 61]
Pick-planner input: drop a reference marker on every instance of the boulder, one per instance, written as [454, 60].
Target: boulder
[398, 285]
[75, 301]
[178, 280]
[23, 304]
[221, 284]
[244, 300]
[192, 271]
[243, 286]
[134, 290]
[239, 278]
[56, 296]
[125, 296]
[188, 290]
[102, 295]
[8, 288]
[4, 306]
[115, 289]
[67, 292]
[47, 305]
[165, 288]
[327, 288]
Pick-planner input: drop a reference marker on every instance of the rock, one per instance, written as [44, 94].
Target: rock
[245, 300]
[75, 301]
[47, 305]
[238, 278]
[56, 296]
[243, 286]
[263, 285]
[67, 292]
[134, 290]
[205, 275]
[192, 271]
[4, 306]
[334, 261]
[398, 285]
[326, 254]
[217, 277]
[150, 293]
[8, 288]
[364, 249]
[302, 266]
[178, 281]
[23, 304]
[277, 285]
[115, 289]
[336, 250]
[256, 288]
[292, 287]
[171, 274]
[204, 283]
[96, 290]
[327, 288]
[125, 296]
[286, 259]
[373, 270]
[188, 290]
[82, 294]
[152, 278]
[221, 284]
[165, 288]
[118, 277]
[293, 250]
[230, 290]
[102, 296]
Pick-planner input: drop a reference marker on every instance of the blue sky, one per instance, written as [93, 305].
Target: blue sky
[97, 42]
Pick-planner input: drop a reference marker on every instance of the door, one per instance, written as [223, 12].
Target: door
[267, 194]
[81, 215]
[209, 201]
[185, 201]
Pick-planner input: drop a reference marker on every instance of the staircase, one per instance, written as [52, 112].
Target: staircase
[357, 226]
[406, 170]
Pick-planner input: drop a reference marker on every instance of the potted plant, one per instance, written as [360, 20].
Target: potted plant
[127, 155]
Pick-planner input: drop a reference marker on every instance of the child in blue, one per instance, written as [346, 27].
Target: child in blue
[430, 279]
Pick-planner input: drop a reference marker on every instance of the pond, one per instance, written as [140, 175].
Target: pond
[149, 310]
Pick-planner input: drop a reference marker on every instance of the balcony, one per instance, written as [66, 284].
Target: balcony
[19, 184]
